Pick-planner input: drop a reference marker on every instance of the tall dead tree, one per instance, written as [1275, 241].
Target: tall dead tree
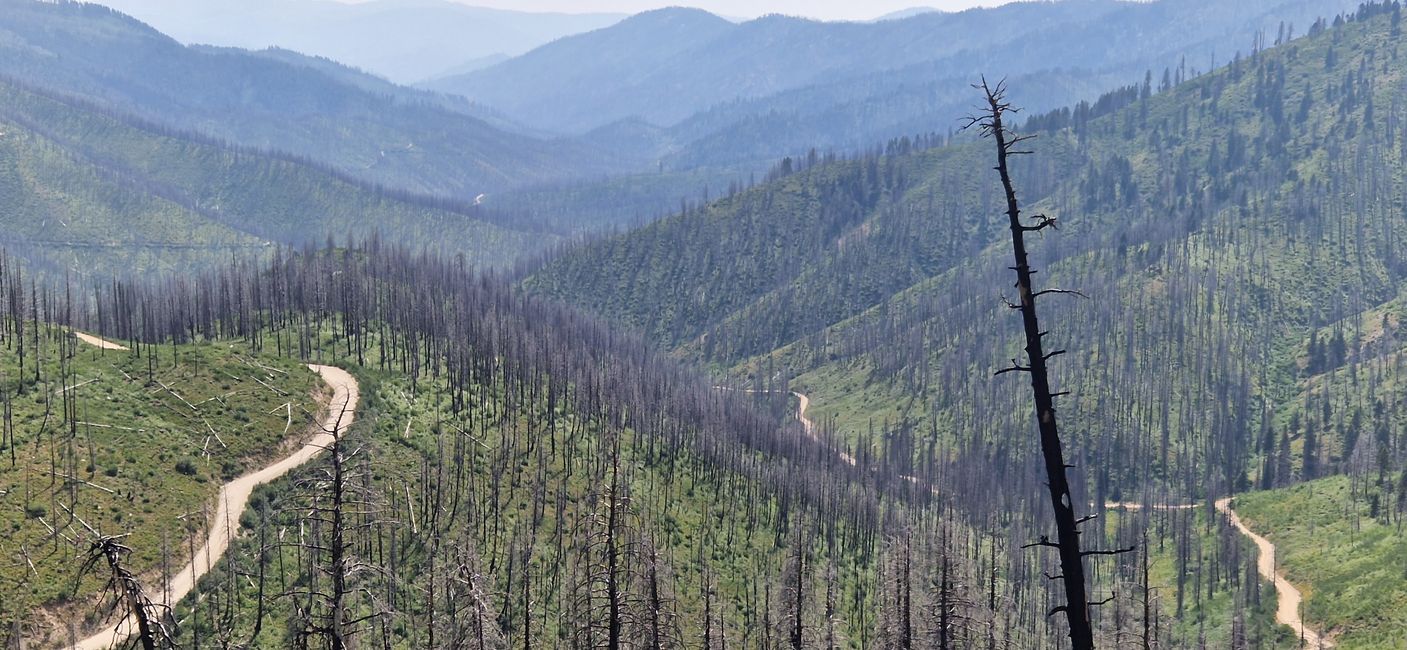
[336, 504]
[1072, 574]
[602, 600]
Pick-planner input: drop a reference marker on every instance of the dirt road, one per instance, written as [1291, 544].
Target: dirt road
[1290, 598]
[1287, 611]
[98, 343]
[234, 495]
[803, 403]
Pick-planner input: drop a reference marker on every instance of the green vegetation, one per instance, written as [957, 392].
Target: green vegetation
[1210, 595]
[503, 479]
[124, 444]
[523, 472]
[1343, 544]
[1214, 223]
[1238, 237]
[688, 526]
[741, 245]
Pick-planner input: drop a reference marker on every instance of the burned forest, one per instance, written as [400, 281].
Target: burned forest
[1046, 326]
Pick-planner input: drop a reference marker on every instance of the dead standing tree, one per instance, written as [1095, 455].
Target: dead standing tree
[337, 507]
[1072, 573]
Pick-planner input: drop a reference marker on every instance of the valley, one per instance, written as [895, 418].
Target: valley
[344, 327]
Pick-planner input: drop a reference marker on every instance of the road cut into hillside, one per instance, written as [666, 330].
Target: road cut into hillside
[1287, 611]
[234, 496]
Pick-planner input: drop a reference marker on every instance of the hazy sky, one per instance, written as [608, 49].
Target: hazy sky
[824, 9]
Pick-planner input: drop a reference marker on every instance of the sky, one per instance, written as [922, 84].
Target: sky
[822, 9]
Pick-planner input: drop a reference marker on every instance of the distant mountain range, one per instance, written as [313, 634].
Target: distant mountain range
[283, 101]
[905, 13]
[662, 106]
[778, 84]
[402, 40]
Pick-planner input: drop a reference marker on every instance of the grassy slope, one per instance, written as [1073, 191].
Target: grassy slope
[142, 462]
[78, 214]
[1349, 564]
[1206, 620]
[403, 427]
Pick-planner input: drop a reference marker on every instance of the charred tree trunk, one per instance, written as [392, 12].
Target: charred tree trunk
[337, 561]
[1076, 605]
[614, 596]
[152, 632]
[1147, 600]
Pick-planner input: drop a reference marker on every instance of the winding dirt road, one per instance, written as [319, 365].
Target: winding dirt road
[809, 427]
[234, 496]
[1290, 598]
[803, 403]
[1287, 611]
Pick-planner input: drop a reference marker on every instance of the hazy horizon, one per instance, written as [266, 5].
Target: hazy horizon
[817, 9]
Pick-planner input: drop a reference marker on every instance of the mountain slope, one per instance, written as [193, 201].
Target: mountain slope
[90, 192]
[883, 271]
[552, 475]
[1238, 239]
[519, 471]
[394, 138]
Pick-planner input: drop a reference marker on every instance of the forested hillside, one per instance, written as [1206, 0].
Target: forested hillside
[612, 518]
[522, 473]
[1236, 236]
[922, 210]
[91, 192]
